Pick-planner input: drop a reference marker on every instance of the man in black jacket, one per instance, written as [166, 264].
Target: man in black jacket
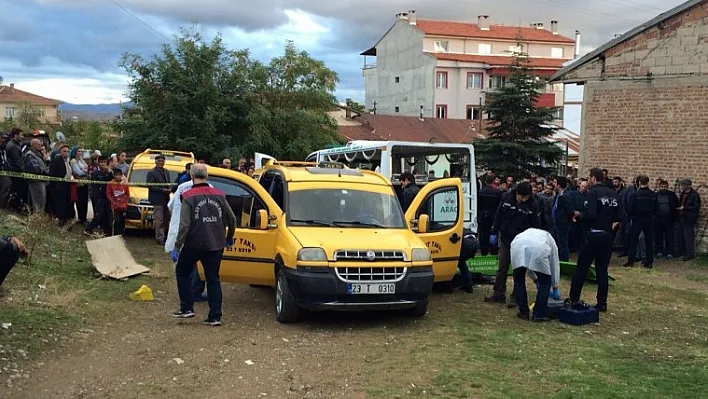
[667, 204]
[5, 182]
[159, 196]
[517, 212]
[488, 201]
[561, 214]
[206, 223]
[15, 164]
[689, 208]
[60, 195]
[11, 249]
[640, 209]
[410, 190]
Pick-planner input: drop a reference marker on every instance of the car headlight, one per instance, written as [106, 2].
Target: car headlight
[312, 255]
[420, 255]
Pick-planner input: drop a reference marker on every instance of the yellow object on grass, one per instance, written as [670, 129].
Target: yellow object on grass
[144, 293]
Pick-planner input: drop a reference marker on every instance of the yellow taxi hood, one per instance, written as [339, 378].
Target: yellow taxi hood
[331, 239]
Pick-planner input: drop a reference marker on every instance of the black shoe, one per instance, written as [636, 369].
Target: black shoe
[497, 298]
[628, 264]
[522, 315]
[212, 322]
[601, 308]
[183, 314]
[541, 319]
[467, 288]
[512, 304]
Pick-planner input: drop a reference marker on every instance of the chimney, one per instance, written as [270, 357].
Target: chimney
[577, 44]
[483, 22]
[539, 25]
[348, 112]
[12, 86]
[402, 16]
[411, 17]
[421, 114]
[554, 27]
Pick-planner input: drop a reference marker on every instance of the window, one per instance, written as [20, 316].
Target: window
[516, 49]
[441, 111]
[557, 52]
[345, 208]
[398, 79]
[485, 48]
[243, 202]
[441, 46]
[441, 80]
[558, 114]
[397, 109]
[497, 81]
[473, 112]
[9, 112]
[441, 208]
[277, 191]
[474, 80]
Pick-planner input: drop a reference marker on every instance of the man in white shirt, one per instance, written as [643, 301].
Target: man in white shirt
[535, 251]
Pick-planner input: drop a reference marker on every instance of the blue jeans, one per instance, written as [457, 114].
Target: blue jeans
[211, 262]
[562, 235]
[544, 288]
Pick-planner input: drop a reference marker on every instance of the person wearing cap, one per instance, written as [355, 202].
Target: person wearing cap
[60, 195]
[689, 208]
[410, 190]
[159, 196]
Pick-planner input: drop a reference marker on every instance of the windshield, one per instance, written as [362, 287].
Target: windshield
[344, 208]
[138, 175]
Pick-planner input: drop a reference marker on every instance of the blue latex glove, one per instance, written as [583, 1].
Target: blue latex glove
[174, 255]
[229, 243]
[493, 240]
[555, 294]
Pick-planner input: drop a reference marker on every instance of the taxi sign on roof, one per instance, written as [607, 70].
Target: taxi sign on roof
[331, 165]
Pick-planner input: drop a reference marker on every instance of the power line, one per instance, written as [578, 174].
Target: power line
[588, 12]
[147, 25]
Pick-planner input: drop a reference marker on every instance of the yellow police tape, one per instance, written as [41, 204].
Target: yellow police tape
[31, 176]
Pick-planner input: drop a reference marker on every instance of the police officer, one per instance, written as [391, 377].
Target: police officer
[517, 212]
[488, 201]
[599, 217]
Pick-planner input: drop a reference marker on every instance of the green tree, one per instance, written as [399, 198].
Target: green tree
[356, 106]
[93, 135]
[518, 130]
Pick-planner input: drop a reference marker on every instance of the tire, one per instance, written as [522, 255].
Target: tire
[286, 310]
[420, 309]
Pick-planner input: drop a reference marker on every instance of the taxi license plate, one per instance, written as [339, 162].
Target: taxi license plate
[374, 288]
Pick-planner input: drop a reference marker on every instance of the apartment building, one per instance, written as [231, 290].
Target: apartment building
[444, 69]
[14, 101]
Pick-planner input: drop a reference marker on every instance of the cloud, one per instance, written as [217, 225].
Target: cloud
[55, 39]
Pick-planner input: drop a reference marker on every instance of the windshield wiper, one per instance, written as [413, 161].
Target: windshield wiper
[312, 222]
[356, 223]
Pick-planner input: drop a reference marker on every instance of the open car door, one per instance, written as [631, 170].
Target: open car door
[260, 159]
[437, 216]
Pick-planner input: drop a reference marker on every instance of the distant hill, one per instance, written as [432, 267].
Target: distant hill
[92, 111]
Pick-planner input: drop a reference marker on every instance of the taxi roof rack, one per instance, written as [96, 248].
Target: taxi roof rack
[182, 153]
[290, 164]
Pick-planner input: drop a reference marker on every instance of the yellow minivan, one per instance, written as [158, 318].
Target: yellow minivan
[329, 237]
[139, 214]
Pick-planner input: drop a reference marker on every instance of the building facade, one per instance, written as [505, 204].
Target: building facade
[645, 98]
[14, 101]
[444, 69]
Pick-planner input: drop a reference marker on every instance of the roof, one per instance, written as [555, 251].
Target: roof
[315, 174]
[625, 37]
[502, 32]
[501, 60]
[13, 95]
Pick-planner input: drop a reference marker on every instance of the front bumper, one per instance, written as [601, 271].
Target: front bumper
[139, 217]
[319, 288]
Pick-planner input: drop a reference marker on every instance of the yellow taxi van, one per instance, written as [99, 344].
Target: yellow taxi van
[331, 238]
[139, 214]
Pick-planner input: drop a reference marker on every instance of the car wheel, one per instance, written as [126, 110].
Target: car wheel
[286, 310]
[420, 309]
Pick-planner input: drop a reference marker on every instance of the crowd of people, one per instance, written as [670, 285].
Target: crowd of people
[594, 216]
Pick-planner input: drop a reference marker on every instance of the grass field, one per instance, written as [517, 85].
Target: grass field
[653, 342]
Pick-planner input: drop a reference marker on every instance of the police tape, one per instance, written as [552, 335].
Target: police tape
[30, 176]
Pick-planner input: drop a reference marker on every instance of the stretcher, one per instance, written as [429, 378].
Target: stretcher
[487, 266]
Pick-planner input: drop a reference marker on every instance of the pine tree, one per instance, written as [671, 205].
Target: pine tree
[518, 131]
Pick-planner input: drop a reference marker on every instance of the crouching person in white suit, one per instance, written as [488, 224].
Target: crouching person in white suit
[535, 251]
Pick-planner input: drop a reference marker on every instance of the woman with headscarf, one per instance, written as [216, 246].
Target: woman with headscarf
[79, 169]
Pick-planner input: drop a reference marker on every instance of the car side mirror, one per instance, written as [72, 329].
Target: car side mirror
[262, 219]
[423, 224]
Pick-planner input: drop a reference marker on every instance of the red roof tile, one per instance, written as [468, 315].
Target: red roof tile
[501, 60]
[463, 29]
[12, 95]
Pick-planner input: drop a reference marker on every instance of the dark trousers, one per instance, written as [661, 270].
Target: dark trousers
[503, 269]
[8, 259]
[211, 262]
[197, 284]
[687, 240]
[544, 287]
[575, 237]
[485, 226]
[18, 193]
[665, 237]
[596, 247]
[626, 233]
[562, 236]
[118, 222]
[642, 225]
[5, 187]
[82, 200]
[102, 216]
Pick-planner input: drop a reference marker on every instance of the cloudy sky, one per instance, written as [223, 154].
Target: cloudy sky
[69, 49]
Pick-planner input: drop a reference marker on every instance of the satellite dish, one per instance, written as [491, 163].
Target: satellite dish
[60, 136]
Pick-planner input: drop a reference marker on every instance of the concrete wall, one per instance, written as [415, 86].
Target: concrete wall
[400, 54]
[632, 124]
